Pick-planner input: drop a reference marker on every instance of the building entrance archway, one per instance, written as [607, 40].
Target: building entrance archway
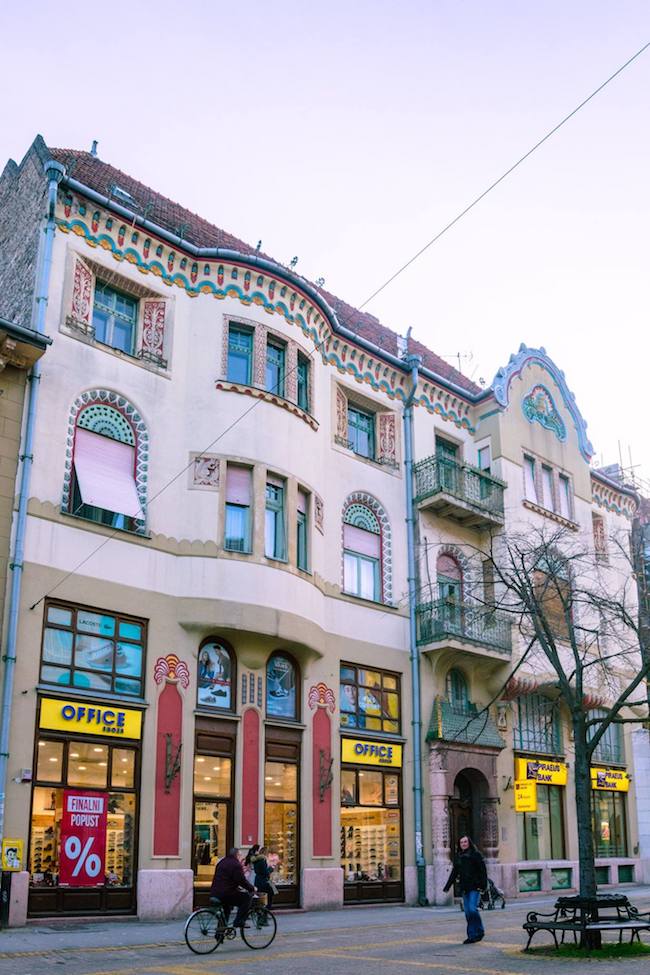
[465, 806]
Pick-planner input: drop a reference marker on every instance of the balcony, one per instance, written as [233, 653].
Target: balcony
[460, 492]
[471, 627]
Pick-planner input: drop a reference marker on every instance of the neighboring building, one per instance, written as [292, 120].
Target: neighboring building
[214, 624]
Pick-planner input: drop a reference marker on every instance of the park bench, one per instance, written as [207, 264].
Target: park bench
[579, 915]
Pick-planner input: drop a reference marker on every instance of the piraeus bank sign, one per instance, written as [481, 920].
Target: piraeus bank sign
[108, 720]
[542, 772]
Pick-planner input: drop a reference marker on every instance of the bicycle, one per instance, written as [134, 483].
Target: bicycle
[208, 927]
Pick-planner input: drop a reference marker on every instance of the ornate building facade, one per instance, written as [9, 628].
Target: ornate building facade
[213, 638]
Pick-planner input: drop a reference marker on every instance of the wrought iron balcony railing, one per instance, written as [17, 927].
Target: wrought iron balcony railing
[478, 491]
[466, 622]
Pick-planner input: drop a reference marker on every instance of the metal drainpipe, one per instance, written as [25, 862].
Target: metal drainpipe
[413, 362]
[54, 172]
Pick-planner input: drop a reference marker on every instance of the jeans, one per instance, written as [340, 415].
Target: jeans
[474, 922]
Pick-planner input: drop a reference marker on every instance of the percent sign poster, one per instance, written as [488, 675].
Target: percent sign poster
[83, 839]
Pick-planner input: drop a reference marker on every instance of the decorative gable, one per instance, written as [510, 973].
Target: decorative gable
[538, 407]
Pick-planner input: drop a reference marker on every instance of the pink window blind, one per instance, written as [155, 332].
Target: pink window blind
[104, 470]
[238, 485]
[362, 542]
[446, 566]
[302, 502]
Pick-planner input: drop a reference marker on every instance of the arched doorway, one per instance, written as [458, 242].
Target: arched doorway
[465, 806]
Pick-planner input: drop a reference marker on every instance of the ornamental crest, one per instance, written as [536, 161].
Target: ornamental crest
[538, 406]
[321, 696]
[170, 668]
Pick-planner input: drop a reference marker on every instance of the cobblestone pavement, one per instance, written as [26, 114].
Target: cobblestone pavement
[379, 940]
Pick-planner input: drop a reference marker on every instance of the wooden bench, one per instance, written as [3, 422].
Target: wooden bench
[560, 922]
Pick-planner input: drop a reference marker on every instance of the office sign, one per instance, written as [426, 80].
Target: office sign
[82, 718]
[356, 751]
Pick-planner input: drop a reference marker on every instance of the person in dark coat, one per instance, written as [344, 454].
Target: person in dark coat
[231, 887]
[469, 869]
[263, 874]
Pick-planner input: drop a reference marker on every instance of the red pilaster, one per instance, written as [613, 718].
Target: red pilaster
[167, 805]
[322, 807]
[250, 792]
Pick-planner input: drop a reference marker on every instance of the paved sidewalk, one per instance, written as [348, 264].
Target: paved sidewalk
[77, 934]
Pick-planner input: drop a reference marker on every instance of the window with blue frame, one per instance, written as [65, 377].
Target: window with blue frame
[240, 355]
[302, 531]
[361, 431]
[275, 367]
[302, 374]
[275, 535]
[281, 687]
[115, 317]
[609, 749]
[537, 728]
[370, 699]
[456, 691]
[93, 650]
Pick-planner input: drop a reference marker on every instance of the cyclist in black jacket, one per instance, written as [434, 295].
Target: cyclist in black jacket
[469, 868]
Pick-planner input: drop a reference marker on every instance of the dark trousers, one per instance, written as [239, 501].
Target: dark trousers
[264, 887]
[242, 900]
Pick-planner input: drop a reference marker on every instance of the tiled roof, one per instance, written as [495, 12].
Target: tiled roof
[102, 177]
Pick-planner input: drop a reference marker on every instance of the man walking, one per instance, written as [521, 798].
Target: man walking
[231, 887]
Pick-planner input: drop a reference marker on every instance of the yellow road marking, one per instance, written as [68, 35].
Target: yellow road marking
[470, 966]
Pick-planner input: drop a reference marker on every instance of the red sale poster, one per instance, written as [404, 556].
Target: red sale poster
[83, 838]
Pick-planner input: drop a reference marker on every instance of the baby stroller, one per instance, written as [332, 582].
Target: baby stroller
[491, 897]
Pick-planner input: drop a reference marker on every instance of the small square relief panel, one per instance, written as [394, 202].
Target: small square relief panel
[204, 472]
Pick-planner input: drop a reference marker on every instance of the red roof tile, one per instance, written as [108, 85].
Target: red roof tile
[102, 177]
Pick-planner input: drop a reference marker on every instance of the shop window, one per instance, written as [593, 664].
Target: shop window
[609, 823]
[104, 488]
[361, 431]
[275, 534]
[537, 728]
[303, 383]
[276, 355]
[302, 531]
[115, 317]
[370, 825]
[237, 534]
[281, 821]
[561, 878]
[92, 650]
[83, 765]
[362, 553]
[281, 687]
[625, 873]
[216, 676]
[213, 777]
[370, 699]
[240, 355]
[540, 834]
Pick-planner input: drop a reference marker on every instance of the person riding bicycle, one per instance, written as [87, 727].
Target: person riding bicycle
[231, 887]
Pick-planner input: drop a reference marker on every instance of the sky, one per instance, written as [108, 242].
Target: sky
[349, 133]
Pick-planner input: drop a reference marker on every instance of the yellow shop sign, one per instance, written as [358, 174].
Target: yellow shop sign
[542, 772]
[526, 796]
[358, 752]
[109, 720]
[612, 779]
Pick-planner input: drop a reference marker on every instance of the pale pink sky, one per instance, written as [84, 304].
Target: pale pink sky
[348, 133]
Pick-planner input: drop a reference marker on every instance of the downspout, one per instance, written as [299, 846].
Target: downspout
[413, 363]
[54, 172]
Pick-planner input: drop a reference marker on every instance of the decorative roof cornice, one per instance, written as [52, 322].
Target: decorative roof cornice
[528, 357]
[614, 497]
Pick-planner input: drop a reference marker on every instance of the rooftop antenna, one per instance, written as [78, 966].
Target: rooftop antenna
[93, 151]
[259, 247]
[293, 262]
[320, 282]
[458, 356]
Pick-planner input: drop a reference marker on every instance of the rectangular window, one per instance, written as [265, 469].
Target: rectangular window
[302, 531]
[361, 576]
[370, 699]
[540, 834]
[361, 432]
[538, 725]
[240, 355]
[564, 487]
[610, 749]
[547, 488]
[275, 367]
[115, 317]
[303, 382]
[237, 534]
[554, 596]
[484, 459]
[92, 650]
[281, 819]
[530, 488]
[275, 543]
[609, 825]
[78, 764]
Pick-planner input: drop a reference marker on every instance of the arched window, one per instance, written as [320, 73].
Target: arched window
[106, 462]
[362, 553]
[456, 690]
[216, 678]
[282, 687]
[450, 591]
[538, 725]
